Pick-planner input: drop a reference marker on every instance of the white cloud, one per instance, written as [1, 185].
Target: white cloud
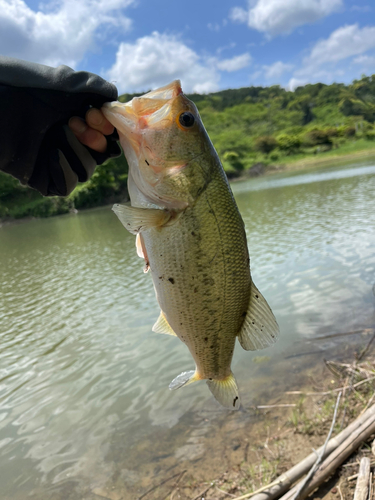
[282, 16]
[256, 75]
[275, 70]
[60, 33]
[325, 63]
[365, 60]
[235, 63]
[238, 14]
[157, 59]
[295, 82]
[344, 42]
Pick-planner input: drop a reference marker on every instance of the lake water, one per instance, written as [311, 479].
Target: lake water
[85, 410]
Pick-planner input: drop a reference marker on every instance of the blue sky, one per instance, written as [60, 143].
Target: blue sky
[209, 45]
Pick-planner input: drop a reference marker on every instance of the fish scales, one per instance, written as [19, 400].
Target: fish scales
[191, 237]
[201, 273]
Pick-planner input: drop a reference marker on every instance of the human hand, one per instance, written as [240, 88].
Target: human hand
[91, 132]
[36, 144]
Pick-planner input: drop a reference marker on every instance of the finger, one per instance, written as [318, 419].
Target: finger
[87, 135]
[96, 120]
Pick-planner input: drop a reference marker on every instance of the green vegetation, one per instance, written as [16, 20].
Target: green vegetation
[247, 126]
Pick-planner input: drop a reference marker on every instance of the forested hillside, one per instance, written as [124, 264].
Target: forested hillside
[249, 125]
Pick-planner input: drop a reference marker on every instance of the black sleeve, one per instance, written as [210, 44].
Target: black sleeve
[36, 145]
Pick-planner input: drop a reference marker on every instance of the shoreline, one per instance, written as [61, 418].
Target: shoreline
[261, 170]
[253, 172]
[280, 434]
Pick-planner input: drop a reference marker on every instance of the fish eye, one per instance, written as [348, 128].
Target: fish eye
[186, 119]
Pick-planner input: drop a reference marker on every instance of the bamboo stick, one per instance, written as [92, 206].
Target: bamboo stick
[335, 459]
[362, 486]
[284, 481]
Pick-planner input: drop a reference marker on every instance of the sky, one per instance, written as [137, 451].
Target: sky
[208, 44]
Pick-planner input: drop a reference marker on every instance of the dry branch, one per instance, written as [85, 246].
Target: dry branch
[320, 455]
[362, 486]
[283, 482]
[326, 393]
[285, 405]
[335, 459]
[160, 484]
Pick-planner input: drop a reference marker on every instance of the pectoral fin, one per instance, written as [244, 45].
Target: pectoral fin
[136, 220]
[162, 325]
[260, 328]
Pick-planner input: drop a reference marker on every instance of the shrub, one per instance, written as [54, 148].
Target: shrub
[233, 159]
[266, 144]
[349, 131]
[288, 142]
[316, 137]
[332, 132]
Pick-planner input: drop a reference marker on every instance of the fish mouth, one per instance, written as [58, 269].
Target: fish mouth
[148, 110]
[146, 126]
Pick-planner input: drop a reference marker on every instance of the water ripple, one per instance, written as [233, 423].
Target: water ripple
[79, 365]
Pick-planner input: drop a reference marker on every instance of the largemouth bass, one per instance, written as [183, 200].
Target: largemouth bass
[191, 237]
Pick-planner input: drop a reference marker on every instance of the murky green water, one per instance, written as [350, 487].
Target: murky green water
[85, 410]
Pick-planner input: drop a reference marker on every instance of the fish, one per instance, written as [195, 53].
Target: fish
[191, 236]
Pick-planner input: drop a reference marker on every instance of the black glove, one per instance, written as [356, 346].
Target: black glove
[36, 144]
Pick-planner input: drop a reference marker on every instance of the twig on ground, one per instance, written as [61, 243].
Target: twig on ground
[275, 406]
[322, 337]
[362, 486]
[326, 393]
[356, 361]
[264, 488]
[225, 492]
[365, 350]
[174, 487]
[336, 458]
[284, 482]
[158, 485]
[322, 453]
[339, 488]
[199, 497]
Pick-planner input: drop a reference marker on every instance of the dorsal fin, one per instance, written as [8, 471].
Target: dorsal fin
[162, 325]
[260, 329]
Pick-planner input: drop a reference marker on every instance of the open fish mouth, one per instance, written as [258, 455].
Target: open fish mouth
[160, 133]
[150, 109]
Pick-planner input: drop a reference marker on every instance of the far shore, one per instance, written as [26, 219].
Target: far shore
[322, 161]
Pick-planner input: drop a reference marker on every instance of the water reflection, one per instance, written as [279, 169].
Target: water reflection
[83, 380]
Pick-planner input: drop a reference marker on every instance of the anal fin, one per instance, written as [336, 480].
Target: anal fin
[136, 219]
[260, 328]
[226, 392]
[185, 378]
[162, 325]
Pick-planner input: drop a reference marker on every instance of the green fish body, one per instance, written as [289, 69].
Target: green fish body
[191, 236]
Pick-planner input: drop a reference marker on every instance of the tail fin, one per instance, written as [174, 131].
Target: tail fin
[226, 392]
